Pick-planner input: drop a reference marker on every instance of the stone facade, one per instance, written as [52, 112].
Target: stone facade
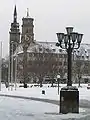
[14, 40]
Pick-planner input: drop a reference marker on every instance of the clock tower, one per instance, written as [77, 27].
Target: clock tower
[27, 28]
[26, 39]
[14, 31]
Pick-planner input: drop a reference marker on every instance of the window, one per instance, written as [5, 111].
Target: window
[87, 57]
[60, 50]
[54, 50]
[47, 49]
[40, 49]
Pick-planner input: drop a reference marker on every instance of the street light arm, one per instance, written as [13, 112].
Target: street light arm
[59, 45]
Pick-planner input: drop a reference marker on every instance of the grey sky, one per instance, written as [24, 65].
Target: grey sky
[50, 16]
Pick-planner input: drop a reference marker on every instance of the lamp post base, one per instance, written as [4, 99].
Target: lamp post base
[69, 100]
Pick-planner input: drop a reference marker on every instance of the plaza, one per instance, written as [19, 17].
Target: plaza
[45, 60]
[27, 103]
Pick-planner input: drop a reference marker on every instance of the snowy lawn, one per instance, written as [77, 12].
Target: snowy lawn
[50, 93]
[20, 109]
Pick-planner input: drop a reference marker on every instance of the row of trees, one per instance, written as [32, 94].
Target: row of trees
[80, 68]
[42, 65]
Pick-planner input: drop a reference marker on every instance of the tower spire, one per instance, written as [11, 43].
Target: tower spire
[27, 12]
[15, 14]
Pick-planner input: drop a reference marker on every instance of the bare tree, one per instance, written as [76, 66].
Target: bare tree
[78, 68]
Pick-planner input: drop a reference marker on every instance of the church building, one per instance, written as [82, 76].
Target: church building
[31, 60]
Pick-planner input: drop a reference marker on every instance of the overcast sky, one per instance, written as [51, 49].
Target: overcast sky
[50, 16]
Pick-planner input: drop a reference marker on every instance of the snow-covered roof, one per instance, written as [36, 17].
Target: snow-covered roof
[83, 52]
[50, 47]
[41, 47]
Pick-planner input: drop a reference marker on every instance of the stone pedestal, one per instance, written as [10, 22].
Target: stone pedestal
[69, 100]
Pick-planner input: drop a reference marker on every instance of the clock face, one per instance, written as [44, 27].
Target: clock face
[26, 38]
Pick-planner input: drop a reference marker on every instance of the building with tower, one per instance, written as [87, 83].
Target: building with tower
[36, 60]
[14, 31]
[14, 38]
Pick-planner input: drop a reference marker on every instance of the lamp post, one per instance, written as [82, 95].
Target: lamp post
[69, 41]
[58, 79]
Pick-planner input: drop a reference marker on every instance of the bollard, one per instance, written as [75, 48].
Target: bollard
[43, 92]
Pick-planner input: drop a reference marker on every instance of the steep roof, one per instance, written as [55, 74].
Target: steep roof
[50, 47]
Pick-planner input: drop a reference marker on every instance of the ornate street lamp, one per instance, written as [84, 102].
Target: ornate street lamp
[69, 41]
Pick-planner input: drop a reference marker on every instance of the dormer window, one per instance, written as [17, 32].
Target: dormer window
[78, 51]
[40, 49]
[54, 50]
[85, 51]
[47, 49]
[87, 57]
[60, 50]
[82, 56]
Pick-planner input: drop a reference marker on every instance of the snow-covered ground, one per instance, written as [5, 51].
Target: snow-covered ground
[20, 109]
[50, 92]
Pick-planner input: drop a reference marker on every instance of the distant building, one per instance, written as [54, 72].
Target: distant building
[43, 58]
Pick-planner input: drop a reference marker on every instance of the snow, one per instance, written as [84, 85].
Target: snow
[50, 93]
[52, 45]
[23, 109]
[36, 110]
[18, 109]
